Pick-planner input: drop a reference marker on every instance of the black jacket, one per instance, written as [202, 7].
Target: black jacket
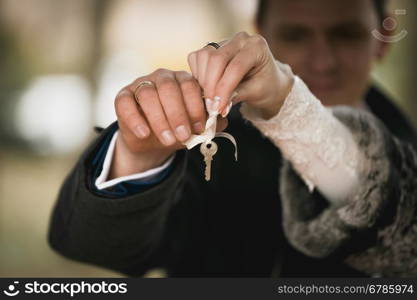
[230, 226]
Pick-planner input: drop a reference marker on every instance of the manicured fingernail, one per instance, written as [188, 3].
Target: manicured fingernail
[227, 110]
[198, 127]
[182, 132]
[216, 103]
[141, 131]
[167, 137]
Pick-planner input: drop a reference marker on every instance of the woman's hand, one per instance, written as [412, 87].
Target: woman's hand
[243, 64]
[155, 118]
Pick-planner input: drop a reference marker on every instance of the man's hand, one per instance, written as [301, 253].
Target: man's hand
[155, 119]
[243, 64]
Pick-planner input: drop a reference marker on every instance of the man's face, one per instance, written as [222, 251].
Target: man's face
[327, 43]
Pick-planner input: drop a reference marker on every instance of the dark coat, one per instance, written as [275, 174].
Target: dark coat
[230, 226]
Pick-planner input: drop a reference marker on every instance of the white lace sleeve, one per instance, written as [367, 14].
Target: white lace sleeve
[320, 148]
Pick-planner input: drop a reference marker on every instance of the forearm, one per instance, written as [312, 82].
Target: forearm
[320, 148]
[123, 234]
[373, 230]
[354, 162]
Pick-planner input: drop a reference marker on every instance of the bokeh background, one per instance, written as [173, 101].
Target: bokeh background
[62, 63]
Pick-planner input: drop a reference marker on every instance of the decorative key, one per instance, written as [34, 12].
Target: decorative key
[208, 150]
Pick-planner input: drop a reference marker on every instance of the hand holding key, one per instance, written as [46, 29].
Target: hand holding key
[243, 64]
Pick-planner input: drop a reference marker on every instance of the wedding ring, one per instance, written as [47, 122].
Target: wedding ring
[141, 84]
[213, 44]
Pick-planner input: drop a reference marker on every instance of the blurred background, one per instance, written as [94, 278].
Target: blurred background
[61, 64]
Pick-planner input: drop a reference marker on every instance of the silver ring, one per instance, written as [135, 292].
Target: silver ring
[213, 44]
[141, 84]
